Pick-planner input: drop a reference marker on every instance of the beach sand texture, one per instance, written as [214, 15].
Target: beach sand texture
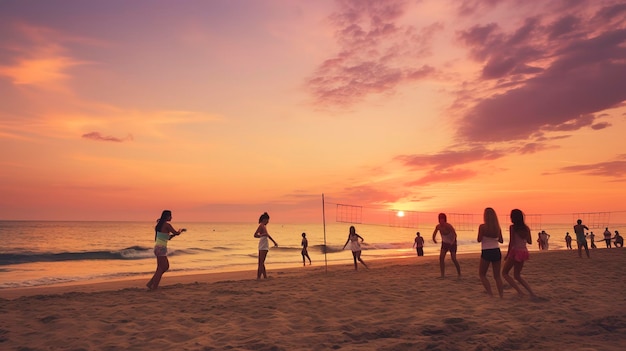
[395, 305]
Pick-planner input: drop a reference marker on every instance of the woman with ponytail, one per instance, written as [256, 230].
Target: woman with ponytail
[163, 232]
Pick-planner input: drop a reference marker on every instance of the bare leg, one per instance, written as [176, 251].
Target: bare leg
[163, 265]
[508, 264]
[442, 262]
[261, 270]
[482, 273]
[358, 256]
[354, 257]
[496, 276]
[518, 276]
[456, 263]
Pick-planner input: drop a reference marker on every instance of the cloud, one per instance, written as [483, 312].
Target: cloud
[99, 137]
[609, 169]
[549, 74]
[444, 176]
[36, 56]
[450, 158]
[376, 54]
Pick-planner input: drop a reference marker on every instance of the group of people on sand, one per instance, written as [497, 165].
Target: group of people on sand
[489, 236]
[581, 238]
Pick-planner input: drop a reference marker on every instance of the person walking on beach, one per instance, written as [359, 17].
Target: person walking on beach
[490, 237]
[448, 243]
[305, 252]
[607, 237]
[418, 244]
[619, 240]
[568, 241]
[163, 232]
[353, 239]
[581, 238]
[517, 254]
[592, 239]
[263, 235]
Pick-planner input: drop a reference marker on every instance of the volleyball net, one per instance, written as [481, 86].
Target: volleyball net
[357, 214]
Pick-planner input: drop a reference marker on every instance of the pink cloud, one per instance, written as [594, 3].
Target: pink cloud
[609, 169]
[376, 53]
[99, 137]
[444, 176]
[584, 51]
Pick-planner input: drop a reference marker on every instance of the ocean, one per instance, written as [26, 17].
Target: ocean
[40, 253]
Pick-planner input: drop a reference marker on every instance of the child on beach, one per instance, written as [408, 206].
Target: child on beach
[568, 241]
[353, 239]
[263, 235]
[418, 244]
[490, 237]
[448, 243]
[163, 232]
[305, 252]
[581, 238]
[517, 253]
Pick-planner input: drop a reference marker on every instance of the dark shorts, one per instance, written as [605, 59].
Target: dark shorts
[491, 255]
[448, 247]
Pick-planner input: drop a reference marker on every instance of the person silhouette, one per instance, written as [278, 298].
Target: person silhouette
[418, 244]
[581, 239]
[305, 252]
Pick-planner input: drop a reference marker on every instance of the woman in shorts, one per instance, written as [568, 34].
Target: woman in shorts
[490, 237]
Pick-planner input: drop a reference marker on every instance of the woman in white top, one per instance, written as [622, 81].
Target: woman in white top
[353, 239]
[490, 237]
[263, 235]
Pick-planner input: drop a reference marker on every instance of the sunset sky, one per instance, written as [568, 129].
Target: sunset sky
[221, 110]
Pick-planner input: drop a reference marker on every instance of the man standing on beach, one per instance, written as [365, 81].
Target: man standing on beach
[581, 240]
[419, 244]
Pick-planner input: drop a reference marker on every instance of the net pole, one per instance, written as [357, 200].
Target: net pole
[324, 225]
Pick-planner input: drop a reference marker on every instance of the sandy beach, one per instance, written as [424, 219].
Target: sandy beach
[395, 305]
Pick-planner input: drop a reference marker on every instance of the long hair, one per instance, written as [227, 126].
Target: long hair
[491, 223]
[165, 216]
[264, 216]
[517, 218]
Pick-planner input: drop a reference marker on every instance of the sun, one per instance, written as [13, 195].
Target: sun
[400, 214]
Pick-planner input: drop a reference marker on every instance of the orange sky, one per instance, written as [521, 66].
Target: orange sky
[221, 110]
